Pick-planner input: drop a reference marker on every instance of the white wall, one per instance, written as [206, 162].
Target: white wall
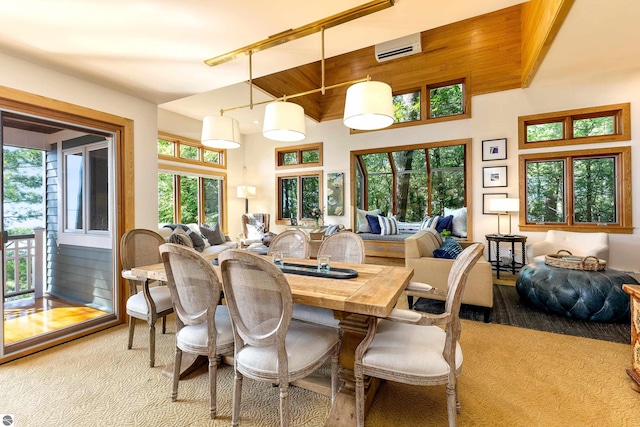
[28, 77]
[493, 116]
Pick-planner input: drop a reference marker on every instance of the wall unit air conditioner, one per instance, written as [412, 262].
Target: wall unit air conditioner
[397, 48]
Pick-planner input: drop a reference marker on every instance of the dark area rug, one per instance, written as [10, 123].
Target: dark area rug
[509, 310]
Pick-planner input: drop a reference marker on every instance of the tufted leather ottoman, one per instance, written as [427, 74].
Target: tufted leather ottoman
[586, 295]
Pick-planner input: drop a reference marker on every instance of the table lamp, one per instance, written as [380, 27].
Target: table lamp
[502, 206]
[246, 192]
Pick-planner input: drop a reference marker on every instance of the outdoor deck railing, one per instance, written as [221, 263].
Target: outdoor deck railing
[23, 264]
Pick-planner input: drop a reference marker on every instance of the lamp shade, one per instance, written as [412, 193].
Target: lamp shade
[284, 121]
[220, 132]
[368, 106]
[246, 191]
[504, 205]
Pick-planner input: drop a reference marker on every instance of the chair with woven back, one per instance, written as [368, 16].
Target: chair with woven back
[139, 247]
[269, 345]
[418, 348]
[203, 327]
[345, 246]
[293, 243]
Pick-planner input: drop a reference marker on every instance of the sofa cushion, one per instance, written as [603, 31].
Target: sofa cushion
[374, 224]
[361, 220]
[388, 225]
[444, 223]
[196, 239]
[459, 228]
[429, 222]
[450, 249]
[180, 237]
[213, 233]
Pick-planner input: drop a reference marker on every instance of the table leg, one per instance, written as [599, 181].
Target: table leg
[190, 363]
[513, 257]
[343, 409]
[498, 260]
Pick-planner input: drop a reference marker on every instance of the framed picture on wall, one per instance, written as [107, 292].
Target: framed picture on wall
[486, 199]
[494, 149]
[494, 176]
[335, 193]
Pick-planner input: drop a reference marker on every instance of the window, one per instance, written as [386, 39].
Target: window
[412, 181]
[446, 99]
[599, 124]
[86, 193]
[199, 198]
[406, 107]
[298, 195]
[308, 155]
[188, 151]
[587, 190]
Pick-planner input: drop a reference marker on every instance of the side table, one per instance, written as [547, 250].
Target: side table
[496, 263]
[634, 371]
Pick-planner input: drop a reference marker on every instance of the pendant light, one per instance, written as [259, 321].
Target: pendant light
[368, 106]
[284, 121]
[220, 132]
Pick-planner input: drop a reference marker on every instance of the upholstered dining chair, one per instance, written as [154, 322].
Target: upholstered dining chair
[294, 244]
[418, 348]
[269, 345]
[345, 246]
[202, 326]
[140, 247]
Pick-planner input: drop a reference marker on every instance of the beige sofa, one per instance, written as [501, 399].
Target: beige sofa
[435, 271]
[579, 244]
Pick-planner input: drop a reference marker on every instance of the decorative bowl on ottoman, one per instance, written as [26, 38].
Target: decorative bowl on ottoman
[580, 294]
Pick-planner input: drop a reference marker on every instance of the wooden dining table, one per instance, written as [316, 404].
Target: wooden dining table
[374, 292]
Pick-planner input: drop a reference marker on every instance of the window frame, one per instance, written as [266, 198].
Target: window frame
[623, 190]
[298, 176]
[179, 141]
[356, 166]
[280, 152]
[622, 125]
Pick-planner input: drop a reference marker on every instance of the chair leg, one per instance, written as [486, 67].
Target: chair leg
[359, 397]
[452, 404]
[410, 301]
[237, 398]
[164, 325]
[177, 361]
[487, 314]
[284, 404]
[152, 344]
[213, 368]
[335, 358]
[132, 328]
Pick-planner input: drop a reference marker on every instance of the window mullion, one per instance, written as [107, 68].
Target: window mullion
[569, 192]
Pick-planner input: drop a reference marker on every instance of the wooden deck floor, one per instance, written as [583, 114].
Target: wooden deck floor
[29, 317]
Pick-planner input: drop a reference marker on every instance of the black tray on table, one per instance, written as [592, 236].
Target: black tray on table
[311, 270]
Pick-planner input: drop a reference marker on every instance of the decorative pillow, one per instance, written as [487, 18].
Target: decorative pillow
[387, 225]
[267, 238]
[255, 231]
[429, 222]
[332, 229]
[437, 235]
[450, 249]
[196, 239]
[444, 223]
[362, 225]
[213, 233]
[408, 227]
[459, 221]
[374, 224]
[180, 237]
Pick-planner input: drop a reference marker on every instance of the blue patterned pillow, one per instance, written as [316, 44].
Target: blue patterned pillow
[388, 225]
[373, 223]
[450, 249]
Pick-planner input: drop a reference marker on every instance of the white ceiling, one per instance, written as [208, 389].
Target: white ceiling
[154, 49]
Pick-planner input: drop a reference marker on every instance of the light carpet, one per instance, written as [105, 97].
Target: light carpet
[511, 377]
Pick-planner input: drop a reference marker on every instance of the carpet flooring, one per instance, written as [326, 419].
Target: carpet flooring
[509, 310]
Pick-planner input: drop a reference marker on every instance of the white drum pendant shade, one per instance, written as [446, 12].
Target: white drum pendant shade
[284, 121]
[220, 132]
[368, 106]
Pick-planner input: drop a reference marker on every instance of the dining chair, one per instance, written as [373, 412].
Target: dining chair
[294, 244]
[202, 326]
[418, 348]
[140, 247]
[269, 345]
[345, 246]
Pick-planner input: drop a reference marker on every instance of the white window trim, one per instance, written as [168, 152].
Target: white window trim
[84, 237]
